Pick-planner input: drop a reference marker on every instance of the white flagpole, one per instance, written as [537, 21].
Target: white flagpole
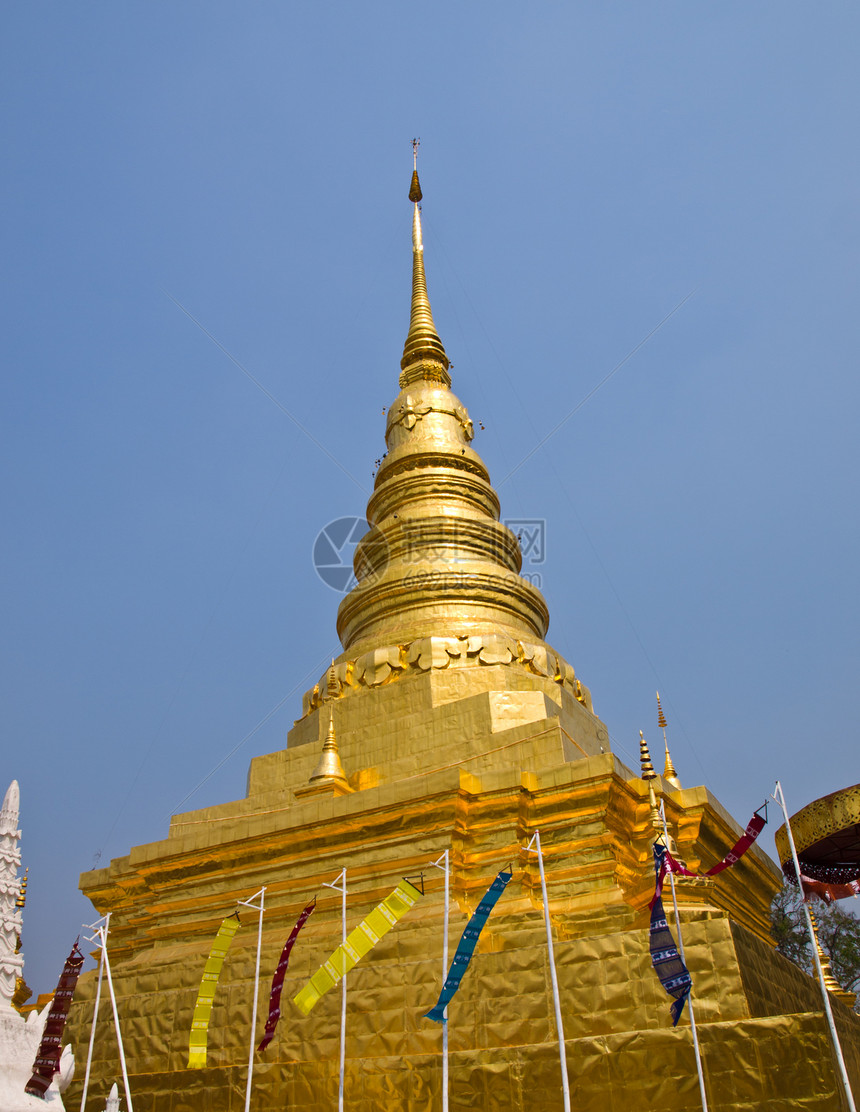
[94, 927]
[837, 1046]
[102, 933]
[446, 869]
[565, 1086]
[339, 885]
[683, 959]
[261, 895]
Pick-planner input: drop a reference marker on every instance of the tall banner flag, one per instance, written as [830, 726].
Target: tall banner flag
[278, 979]
[205, 997]
[466, 948]
[667, 962]
[669, 864]
[359, 943]
[47, 1061]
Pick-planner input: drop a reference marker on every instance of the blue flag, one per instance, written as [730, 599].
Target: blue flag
[466, 948]
[668, 963]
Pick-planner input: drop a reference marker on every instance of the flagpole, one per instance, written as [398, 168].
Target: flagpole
[339, 885]
[565, 1085]
[261, 895]
[102, 933]
[683, 959]
[446, 869]
[92, 927]
[846, 1084]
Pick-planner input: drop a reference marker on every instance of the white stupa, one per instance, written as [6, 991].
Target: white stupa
[19, 1037]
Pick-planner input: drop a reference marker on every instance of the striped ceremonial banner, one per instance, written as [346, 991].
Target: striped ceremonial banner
[468, 942]
[197, 1043]
[358, 943]
[280, 972]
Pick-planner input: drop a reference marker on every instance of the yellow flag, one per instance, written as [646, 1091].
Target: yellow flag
[360, 942]
[206, 995]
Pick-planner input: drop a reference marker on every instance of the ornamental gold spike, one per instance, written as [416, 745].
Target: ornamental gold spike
[332, 686]
[647, 767]
[661, 717]
[329, 766]
[424, 356]
[669, 773]
[415, 193]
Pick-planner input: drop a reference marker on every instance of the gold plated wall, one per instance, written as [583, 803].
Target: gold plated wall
[482, 791]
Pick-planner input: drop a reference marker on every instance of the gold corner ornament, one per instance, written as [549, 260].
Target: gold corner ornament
[358, 944]
[198, 1040]
[661, 717]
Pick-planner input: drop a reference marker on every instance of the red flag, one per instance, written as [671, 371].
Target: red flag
[48, 1055]
[278, 979]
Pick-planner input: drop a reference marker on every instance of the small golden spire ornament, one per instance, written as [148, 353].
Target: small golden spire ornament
[332, 686]
[669, 773]
[329, 767]
[647, 767]
[661, 717]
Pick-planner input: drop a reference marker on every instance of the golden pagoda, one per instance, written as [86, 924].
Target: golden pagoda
[458, 728]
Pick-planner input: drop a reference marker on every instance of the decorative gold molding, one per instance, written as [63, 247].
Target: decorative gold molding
[392, 662]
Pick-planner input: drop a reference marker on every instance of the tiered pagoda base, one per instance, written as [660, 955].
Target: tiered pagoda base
[472, 759]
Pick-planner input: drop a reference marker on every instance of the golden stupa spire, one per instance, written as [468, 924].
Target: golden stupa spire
[649, 776]
[645, 764]
[669, 773]
[437, 561]
[424, 355]
[329, 767]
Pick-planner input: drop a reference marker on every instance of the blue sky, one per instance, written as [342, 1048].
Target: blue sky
[585, 168]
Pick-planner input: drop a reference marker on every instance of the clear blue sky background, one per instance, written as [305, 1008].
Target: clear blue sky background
[585, 167]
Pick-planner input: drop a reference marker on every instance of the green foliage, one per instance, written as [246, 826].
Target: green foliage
[838, 933]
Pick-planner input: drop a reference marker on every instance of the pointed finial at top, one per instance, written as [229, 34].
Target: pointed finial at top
[424, 355]
[661, 717]
[647, 767]
[415, 193]
[669, 773]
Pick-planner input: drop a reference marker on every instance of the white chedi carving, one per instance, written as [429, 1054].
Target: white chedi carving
[19, 1037]
[113, 1099]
